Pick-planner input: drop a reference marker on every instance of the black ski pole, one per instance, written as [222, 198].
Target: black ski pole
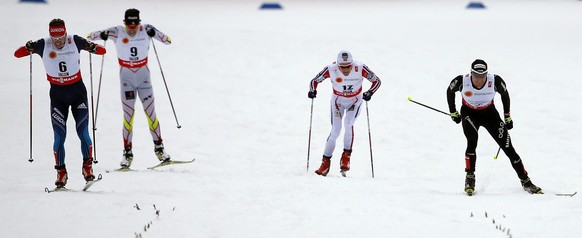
[497, 153]
[167, 90]
[370, 139]
[309, 140]
[99, 89]
[410, 99]
[30, 113]
[92, 110]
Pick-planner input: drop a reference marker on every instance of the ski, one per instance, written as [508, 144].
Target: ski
[57, 189]
[63, 189]
[566, 194]
[343, 172]
[124, 169]
[171, 162]
[90, 183]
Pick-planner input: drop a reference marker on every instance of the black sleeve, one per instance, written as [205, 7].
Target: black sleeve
[501, 88]
[80, 42]
[455, 86]
[39, 47]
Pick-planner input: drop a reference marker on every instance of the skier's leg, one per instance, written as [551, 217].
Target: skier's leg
[336, 111]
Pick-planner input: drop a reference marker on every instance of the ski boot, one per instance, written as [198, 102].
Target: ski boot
[324, 168]
[470, 183]
[530, 187]
[160, 152]
[127, 158]
[62, 176]
[345, 160]
[87, 169]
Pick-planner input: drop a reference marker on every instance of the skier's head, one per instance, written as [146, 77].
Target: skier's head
[58, 32]
[131, 19]
[344, 59]
[479, 67]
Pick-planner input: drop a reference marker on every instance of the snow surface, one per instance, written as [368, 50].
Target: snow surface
[238, 78]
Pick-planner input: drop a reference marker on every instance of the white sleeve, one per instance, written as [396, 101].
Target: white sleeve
[160, 36]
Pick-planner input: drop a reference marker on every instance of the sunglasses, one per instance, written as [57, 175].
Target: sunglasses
[58, 38]
[345, 66]
[133, 27]
[477, 73]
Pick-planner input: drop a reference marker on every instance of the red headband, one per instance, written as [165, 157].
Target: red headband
[57, 31]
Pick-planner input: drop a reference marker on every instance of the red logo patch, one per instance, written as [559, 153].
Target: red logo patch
[489, 84]
[339, 80]
[469, 94]
[125, 40]
[52, 54]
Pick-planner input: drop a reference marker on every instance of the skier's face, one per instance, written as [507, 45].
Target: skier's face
[131, 29]
[345, 68]
[59, 42]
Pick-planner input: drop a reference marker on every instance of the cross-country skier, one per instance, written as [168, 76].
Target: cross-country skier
[478, 91]
[60, 54]
[346, 76]
[132, 41]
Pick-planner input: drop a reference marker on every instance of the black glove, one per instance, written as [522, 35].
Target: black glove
[30, 45]
[456, 117]
[151, 32]
[104, 35]
[312, 94]
[367, 95]
[508, 121]
[91, 47]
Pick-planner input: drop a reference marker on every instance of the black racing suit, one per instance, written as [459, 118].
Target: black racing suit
[489, 118]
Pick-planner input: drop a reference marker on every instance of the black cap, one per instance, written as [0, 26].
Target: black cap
[479, 66]
[131, 17]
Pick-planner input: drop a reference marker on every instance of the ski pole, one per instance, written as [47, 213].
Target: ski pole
[309, 140]
[99, 89]
[370, 139]
[92, 110]
[30, 113]
[429, 107]
[495, 157]
[164, 78]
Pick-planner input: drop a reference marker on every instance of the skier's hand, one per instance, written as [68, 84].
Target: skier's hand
[312, 94]
[104, 35]
[150, 30]
[456, 117]
[30, 45]
[367, 95]
[91, 47]
[508, 121]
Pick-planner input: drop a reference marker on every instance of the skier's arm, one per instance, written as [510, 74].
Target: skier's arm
[29, 48]
[91, 47]
[318, 79]
[158, 35]
[373, 78]
[502, 90]
[109, 33]
[454, 87]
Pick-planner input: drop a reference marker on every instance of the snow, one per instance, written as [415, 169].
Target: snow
[238, 78]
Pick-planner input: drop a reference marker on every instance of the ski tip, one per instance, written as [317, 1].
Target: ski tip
[409, 98]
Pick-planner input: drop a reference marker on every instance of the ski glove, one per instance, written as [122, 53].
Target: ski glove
[151, 32]
[508, 122]
[91, 47]
[30, 45]
[104, 35]
[456, 117]
[367, 95]
[312, 94]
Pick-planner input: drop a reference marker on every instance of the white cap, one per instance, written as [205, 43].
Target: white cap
[344, 58]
